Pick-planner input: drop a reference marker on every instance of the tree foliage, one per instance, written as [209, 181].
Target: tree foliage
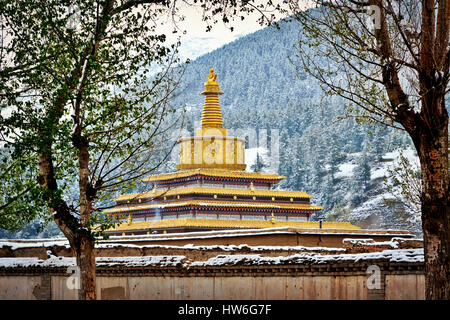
[84, 89]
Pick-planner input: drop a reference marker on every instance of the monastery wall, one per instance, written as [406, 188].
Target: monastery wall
[361, 269]
[338, 286]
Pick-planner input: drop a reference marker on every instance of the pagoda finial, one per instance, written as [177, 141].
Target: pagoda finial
[211, 76]
[212, 116]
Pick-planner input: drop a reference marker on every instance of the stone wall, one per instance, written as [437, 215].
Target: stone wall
[226, 287]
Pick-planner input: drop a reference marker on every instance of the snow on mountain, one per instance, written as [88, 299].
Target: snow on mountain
[381, 207]
[345, 170]
[251, 155]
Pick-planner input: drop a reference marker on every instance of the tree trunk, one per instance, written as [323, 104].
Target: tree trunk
[85, 247]
[84, 251]
[433, 154]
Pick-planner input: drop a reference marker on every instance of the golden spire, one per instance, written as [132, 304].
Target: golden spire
[212, 117]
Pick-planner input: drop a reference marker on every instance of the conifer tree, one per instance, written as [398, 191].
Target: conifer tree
[259, 164]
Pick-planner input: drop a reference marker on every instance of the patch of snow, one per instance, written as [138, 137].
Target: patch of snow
[19, 262]
[409, 154]
[409, 255]
[345, 170]
[251, 155]
[161, 261]
[18, 245]
[378, 173]
[366, 209]
[371, 242]
[399, 239]
[357, 241]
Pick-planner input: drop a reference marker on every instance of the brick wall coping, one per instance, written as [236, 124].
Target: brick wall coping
[400, 260]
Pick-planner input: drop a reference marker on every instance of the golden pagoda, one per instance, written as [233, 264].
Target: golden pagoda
[211, 189]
